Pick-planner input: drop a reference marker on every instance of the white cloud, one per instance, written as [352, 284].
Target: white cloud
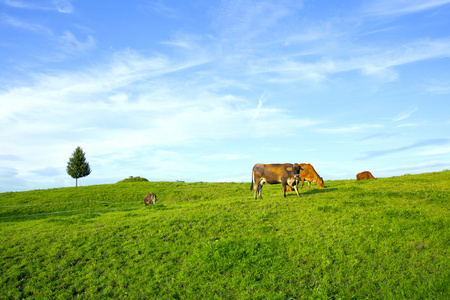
[19, 24]
[163, 9]
[373, 61]
[224, 156]
[418, 144]
[242, 20]
[350, 129]
[436, 151]
[63, 6]
[408, 125]
[72, 45]
[404, 115]
[400, 7]
[438, 87]
[122, 110]
[428, 166]
[21, 4]
[223, 96]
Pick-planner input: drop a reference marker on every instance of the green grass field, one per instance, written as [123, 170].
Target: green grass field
[380, 239]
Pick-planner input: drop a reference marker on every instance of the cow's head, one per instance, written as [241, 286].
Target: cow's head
[296, 168]
[320, 182]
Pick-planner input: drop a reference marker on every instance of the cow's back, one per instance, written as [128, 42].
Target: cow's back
[271, 172]
[308, 172]
[364, 175]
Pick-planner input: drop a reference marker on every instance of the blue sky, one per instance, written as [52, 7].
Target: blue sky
[203, 90]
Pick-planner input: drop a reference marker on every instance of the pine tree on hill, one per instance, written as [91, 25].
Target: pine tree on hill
[77, 166]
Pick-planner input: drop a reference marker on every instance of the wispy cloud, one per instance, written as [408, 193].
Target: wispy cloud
[225, 156]
[21, 4]
[18, 24]
[138, 111]
[420, 144]
[389, 7]
[438, 87]
[243, 20]
[408, 125]
[62, 6]
[377, 135]
[418, 168]
[9, 157]
[404, 115]
[51, 89]
[350, 129]
[7, 173]
[436, 151]
[245, 80]
[369, 61]
[71, 44]
[48, 171]
[163, 9]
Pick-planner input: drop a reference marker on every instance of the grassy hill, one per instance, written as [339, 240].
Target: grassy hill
[384, 238]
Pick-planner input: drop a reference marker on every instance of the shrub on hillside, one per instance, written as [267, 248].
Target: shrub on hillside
[133, 179]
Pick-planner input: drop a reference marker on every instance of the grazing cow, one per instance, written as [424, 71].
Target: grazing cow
[364, 175]
[150, 199]
[309, 174]
[286, 174]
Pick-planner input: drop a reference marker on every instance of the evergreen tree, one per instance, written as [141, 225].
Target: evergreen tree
[77, 166]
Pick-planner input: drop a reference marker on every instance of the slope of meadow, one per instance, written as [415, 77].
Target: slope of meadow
[384, 238]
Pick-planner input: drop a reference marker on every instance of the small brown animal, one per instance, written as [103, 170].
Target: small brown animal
[150, 199]
[364, 175]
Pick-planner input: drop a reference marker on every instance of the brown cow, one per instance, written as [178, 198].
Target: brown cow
[364, 175]
[309, 174]
[286, 174]
[150, 199]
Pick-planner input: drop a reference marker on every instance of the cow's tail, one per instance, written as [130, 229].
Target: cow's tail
[251, 186]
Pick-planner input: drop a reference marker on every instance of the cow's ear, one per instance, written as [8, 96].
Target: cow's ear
[289, 168]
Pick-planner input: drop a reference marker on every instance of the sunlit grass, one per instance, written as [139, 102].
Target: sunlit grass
[384, 238]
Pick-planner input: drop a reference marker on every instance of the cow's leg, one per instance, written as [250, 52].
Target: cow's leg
[303, 181]
[309, 185]
[296, 190]
[284, 189]
[261, 184]
[258, 187]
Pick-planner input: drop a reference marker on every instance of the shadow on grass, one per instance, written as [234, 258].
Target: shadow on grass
[318, 191]
[41, 216]
[158, 207]
[310, 192]
[21, 217]
[82, 213]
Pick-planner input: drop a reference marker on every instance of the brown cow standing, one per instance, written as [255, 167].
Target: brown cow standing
[286, 174]
[309, 174]
[150, 199]
[364, 175]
